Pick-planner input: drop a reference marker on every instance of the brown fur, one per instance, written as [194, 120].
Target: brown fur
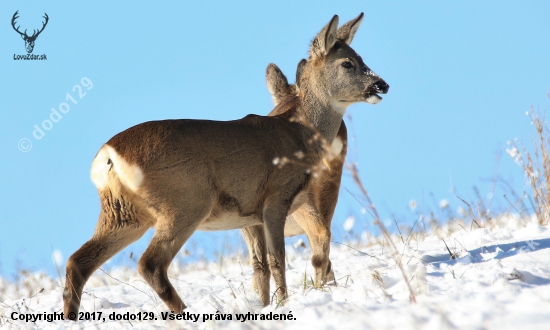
[314, 217]
[184, 175]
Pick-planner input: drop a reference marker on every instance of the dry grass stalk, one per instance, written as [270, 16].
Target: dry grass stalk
[536, 165]
[352, 168]
[380, 281]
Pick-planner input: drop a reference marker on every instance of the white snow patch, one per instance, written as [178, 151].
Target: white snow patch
[499, 279]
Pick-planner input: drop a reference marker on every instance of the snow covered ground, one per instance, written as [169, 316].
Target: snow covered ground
[500, 279]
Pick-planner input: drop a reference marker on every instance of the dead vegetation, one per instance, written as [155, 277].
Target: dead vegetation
[536, 165]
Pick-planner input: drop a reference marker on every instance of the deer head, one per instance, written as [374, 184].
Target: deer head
[29, 40]
[336, 70]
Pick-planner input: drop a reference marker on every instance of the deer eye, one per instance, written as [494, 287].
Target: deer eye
[347, 64]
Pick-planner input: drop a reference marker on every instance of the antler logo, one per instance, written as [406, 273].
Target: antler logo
[29, 40]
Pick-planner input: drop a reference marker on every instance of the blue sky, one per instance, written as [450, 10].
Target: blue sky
[462, 76]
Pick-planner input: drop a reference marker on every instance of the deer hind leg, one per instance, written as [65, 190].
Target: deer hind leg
[171, 233]
[274, 215]
[255, 240]
[108, 239]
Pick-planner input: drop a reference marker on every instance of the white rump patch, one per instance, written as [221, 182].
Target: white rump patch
[108, 163]
[100, 168]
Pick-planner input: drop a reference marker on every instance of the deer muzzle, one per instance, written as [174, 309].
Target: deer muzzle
[379, 87]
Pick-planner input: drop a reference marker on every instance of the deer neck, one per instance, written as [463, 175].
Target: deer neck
[323, 114]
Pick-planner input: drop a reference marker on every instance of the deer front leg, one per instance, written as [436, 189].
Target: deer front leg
[274, 220]
[321, 263]
[255, 240]
[321, 209]
[317, 229]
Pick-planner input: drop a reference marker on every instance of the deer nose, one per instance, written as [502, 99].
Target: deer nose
[381, 86]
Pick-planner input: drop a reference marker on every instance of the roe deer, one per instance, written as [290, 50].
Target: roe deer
[184, 175]
[314, 217]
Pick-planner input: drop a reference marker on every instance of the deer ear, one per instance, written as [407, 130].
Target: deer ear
[277, 84]
[347, 31]
[324, 41]
[275, 79]
[299, 71]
